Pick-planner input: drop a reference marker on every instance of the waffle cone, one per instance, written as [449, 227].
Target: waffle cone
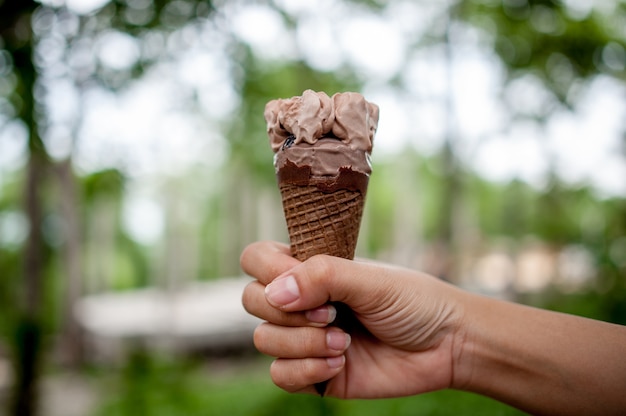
[322, 222]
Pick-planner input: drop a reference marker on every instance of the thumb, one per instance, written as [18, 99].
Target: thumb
[323, 279]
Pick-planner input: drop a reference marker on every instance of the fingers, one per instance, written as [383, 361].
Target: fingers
[299, 375]
[322, 279]
[307, 355]
[300, 342]
[265, 260]
[256, 304]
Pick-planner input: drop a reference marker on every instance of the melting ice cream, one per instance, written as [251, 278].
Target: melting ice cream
[316, 137]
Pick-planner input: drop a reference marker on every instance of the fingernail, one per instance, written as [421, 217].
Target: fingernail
[336, 362]
[337, 340]
[282, 291]
[323, 315]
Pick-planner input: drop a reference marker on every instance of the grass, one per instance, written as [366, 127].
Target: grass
[160, 388]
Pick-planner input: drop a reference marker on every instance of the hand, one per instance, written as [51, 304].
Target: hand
[409, 340]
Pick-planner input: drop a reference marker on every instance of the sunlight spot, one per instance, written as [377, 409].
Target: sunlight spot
[143, 219]
[373, 45]
[118, 50]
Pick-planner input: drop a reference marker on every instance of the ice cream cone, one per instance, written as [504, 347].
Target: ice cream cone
[322, 222]
[322, 149]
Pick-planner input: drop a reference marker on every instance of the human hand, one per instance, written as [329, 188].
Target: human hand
[411, 324]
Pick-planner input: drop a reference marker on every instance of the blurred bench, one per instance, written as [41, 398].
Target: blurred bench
[199, 316]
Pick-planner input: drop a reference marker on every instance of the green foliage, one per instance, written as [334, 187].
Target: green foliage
[133, 17]
[558, 213]
[379, 208]
[10, 266]
[160, 387]
[550, 39]
[10, 258]
[152, 19]
[501, 209]
[609, 306]
[394, 179]
[107, 184]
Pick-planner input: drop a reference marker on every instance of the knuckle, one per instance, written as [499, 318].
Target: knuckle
[281, 377]
[259, 337]
[289, 375]
[250, 254]
[290, 319]
[248, 297]
[245, 254]
[307, 343]
[323, 267]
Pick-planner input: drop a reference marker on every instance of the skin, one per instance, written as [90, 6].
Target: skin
[417, 334]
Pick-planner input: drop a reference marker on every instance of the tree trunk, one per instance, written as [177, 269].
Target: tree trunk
[16, 34]
[72, 351]
[451, 189]
[28, 334]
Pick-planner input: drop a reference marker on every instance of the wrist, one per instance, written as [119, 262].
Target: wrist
[507, 352]
[462, 348]
[458, 329]
[485, 352]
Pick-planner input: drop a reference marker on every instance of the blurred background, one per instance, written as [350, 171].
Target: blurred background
[134, 168]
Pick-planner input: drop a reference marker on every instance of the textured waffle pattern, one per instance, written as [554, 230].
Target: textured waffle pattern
[322, 223]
